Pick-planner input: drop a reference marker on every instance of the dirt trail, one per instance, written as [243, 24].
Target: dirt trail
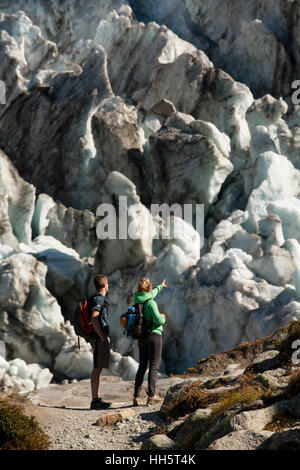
[63, 413]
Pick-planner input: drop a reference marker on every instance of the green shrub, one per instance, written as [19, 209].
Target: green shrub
[192, 398]
[20, 432]
[196, 396]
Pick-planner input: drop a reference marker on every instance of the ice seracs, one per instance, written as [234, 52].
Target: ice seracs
[17, 202]
[106, 105]
[274, 178]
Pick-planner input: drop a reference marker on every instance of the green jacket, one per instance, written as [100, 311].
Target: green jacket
[151, 311]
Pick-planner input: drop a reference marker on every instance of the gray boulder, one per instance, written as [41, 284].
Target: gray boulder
[241, 440]
[237, 420]
[293, 406]
[191, 429]
[159, 442]
[283, 440]
[173, 394]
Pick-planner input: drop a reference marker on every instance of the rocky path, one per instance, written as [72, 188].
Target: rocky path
[63, 413]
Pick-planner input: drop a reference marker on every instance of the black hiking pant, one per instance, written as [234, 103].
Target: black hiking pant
[150, 350]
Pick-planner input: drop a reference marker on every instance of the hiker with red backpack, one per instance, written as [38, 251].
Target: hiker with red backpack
[150, 342]
[99, 339]
[90, 322]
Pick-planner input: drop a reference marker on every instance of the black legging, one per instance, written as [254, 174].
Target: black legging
[150, 353]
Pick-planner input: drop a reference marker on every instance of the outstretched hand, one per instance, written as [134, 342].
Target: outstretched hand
[164, 283]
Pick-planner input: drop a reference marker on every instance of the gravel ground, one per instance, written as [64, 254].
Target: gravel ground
[76, 429]
[63, 413]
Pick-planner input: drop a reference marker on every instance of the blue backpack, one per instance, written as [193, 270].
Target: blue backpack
[134, 323]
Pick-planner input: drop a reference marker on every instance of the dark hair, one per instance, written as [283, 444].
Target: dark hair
[99, 281]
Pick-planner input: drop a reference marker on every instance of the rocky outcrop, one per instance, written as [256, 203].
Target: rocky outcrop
[284, 440]
[159, 442]
[236, 407]
[241, 440]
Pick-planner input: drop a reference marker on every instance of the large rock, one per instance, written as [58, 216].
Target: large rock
[254, 419]
[283, 440]
[163, 108]
[159, 442]
[292, 406]
[233, 421]
[240, 440]
[215, 431]
[173, 395]
[191, 429]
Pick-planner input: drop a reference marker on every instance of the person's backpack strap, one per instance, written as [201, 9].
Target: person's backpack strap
[105, 304]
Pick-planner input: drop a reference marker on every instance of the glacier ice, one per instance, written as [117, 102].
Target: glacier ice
[17, 375]
[107, 106]
[274, 177]
[288, 209]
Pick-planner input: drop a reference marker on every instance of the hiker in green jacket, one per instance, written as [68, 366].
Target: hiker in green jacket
[150, 348]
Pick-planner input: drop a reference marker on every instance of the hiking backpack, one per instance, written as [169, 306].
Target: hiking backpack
[82, 322]
[134, 323]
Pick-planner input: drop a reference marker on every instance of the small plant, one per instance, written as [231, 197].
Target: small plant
[192, 398]
[244, 395]
[163, 429]
[280, 422]
[20, 432]
[249, 391]
[293, 387]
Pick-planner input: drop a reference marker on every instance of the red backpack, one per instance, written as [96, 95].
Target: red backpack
[82, 323]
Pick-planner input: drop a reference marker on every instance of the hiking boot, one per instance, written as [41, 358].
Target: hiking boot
[99, 404]
[136, 401]
[154, 400]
